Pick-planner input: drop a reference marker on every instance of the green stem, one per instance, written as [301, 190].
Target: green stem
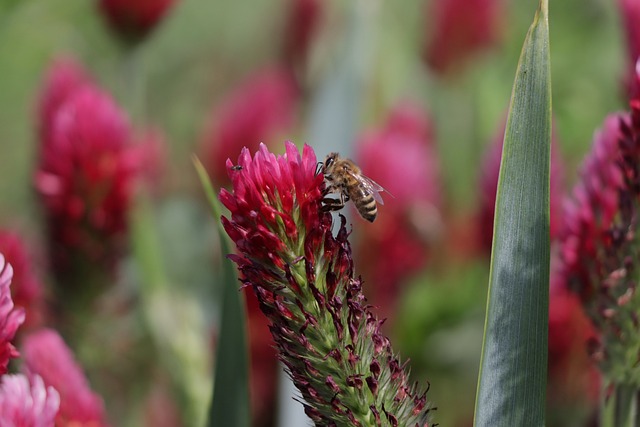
[620, 408]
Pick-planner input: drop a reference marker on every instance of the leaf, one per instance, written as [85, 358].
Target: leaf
[513, 368]
[230, 402]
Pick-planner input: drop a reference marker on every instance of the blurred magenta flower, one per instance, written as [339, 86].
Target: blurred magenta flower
[401, 157]
[10, 318]
[489, 186]
[458, 29]
[63, 79]
[27, 402]
[134, 19]
[303, 19]
[85, 177]
[256, 111]
[304, 280]
[630, 14]
[26, 288]
[46, 355]
[599, 247]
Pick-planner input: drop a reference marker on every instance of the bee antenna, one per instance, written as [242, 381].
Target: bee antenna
[319, 168]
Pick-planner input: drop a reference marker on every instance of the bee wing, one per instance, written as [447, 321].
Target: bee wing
[371, 186]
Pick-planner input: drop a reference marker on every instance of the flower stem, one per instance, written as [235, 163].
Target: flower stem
[620, 407]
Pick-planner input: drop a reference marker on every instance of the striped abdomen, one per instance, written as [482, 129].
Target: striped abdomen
[364, 202]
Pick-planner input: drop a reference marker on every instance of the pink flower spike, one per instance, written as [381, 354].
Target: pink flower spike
[27, 403]
[46, 355]
[256, 111]
[306, 286]
[10, 318]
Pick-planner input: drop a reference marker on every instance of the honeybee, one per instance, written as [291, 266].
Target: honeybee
[345, 178]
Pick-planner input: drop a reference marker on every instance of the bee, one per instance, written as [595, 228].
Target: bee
[344, 177]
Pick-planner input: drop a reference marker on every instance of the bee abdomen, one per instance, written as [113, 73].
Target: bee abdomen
[367, 208]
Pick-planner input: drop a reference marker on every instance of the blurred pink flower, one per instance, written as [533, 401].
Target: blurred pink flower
[630, 14]
[46, 355]
[10, 318]
[489, 185]
[599, 245]
[303, 18]
[27, 403]
[85, 178]
[401, 158]
[134, 19]
[64, 77]
[459, 29]
[256, 111]
[26, 288]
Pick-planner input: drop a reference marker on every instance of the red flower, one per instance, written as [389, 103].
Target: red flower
[85, 178]
[301, 26]
[25, 403]
[459, 29]
[63, 79]
[304, 280]
[630, 14]
[47, 356]
[26, 288]
[10, 318]
[599, 249]
[401, 158]
[489, 185]
[256, 111]
[134, 19]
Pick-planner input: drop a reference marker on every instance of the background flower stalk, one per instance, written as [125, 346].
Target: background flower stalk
[304, 279]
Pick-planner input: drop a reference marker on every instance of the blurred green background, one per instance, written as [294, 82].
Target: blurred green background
[203, 49]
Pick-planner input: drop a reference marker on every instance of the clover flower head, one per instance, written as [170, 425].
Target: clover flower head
[303, 276]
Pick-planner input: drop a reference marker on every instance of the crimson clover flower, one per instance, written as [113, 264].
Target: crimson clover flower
[630, 15]
[10, 317]
[599, 243]
[301, 26]
[303, 276]
[133, 20]
[86, 175]
[26, 288]
[401, 155]
[27, 402]
[459, 29]
[47, 356]
[260, 107]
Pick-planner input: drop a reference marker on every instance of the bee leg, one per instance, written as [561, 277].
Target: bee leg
[329, 204]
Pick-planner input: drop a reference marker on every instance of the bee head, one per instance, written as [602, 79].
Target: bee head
[331, 158]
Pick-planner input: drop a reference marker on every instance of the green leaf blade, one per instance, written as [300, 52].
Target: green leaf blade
[512, 382]
[230, 405]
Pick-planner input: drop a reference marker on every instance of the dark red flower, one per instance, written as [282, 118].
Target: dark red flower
[86, 177]
[64, 78]
[134, 19]
[26, 288]
[458, 29]
[599, 247]
[46, 355]
[303, 18]
[630, 14]
[27, 403]
[401, 158]
[489, 185]
[303, 277]
[10, 318]
[256, 111]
